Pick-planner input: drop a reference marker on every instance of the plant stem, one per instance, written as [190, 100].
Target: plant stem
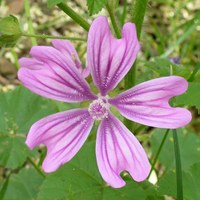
[15, 58]
[138, 12]
[179, 182]
[4, 186]
[158, 152]
[113, 20]
[123, 16]
[52, 37]
[36, 167]
[30, 24]
[77, 18]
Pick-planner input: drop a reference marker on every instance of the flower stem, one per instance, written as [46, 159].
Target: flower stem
[179, 183]
[158, 152]
[113, 20]
[30, 24]
[124, 12]
[138, 12]
[52, 37]
[36, 167]
[15, 58]
[77, 18]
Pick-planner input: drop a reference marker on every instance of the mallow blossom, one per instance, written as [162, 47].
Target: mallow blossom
[56, 73]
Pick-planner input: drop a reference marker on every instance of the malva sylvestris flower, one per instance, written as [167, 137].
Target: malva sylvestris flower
[56, 73]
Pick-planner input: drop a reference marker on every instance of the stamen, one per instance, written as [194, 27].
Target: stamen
[99, 109]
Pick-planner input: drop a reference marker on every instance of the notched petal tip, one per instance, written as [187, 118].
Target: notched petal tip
[180, 83]
[117, 184]
[29, 144]
[183, 118]
[118, 150]
[63, 134]
[148, 103]
[48, 74]
[50, 167]
[110, 58]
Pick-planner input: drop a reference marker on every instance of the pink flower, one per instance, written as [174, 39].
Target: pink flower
[56, 73]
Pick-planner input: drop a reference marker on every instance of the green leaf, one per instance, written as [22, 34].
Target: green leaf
[191, 183]
[10, 31]
[189, 155]
[95, 6]
[21, 108]
[80, 179]
[9, 40]
[23, 186]
[52, 3]
[163, 66]
[191, 97]
[13, 151]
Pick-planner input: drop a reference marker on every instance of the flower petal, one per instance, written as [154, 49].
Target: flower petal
[68, 50]
[117, 149]
[147, 103]
[52, 75]
[63, 133]
[110, 59]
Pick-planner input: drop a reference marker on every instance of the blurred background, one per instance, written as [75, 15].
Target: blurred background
[170, 41]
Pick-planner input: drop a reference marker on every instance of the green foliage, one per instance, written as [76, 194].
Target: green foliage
[191, 183]
[189, 148]
[19, 110]
[95, 6]
[138, 13]
[52, 3]
[113, 3]
[9, 25]
[163, 67]
[23, 186]
[13, 152]
[191, 97]
[80, 179]
[10, 31]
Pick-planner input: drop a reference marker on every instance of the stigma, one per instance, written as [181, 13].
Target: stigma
[99, 109]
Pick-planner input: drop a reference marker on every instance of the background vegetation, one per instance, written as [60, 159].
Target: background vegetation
[170, 41]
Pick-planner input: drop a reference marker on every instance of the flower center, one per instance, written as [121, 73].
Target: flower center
[99, 109]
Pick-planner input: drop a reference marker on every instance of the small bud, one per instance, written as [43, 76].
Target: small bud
[10, 31]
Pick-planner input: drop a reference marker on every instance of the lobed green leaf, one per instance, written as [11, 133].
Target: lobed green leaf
[163, 66]
[23, 186]
[191, 97]
[13, 151]
[95, 6]
[191, 183]
[189, 148]
[80, 179]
